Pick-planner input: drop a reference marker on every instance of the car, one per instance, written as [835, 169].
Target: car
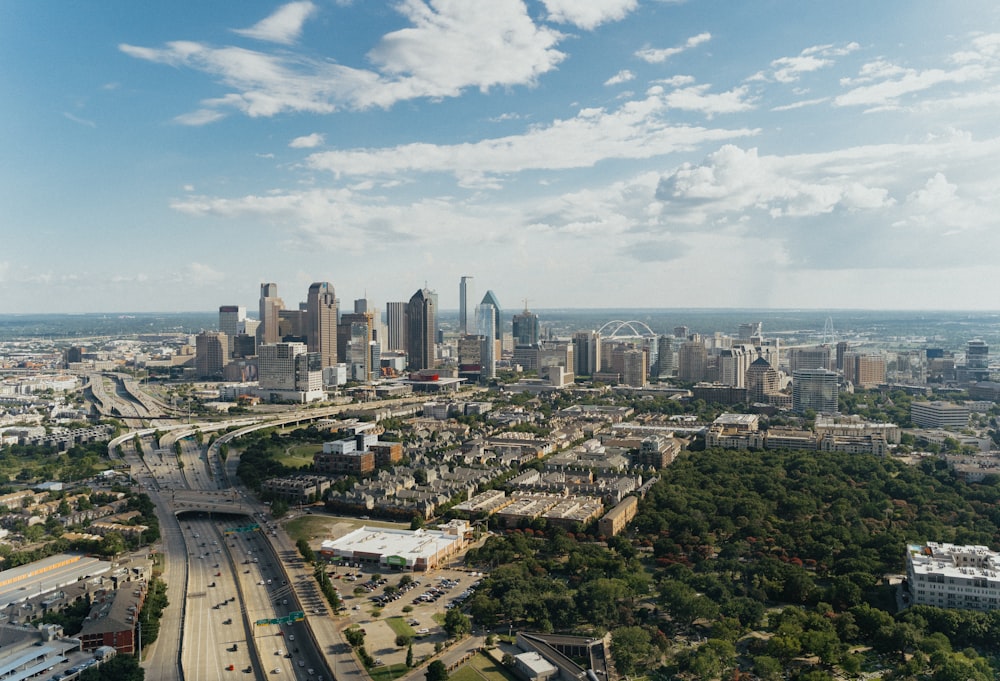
[302, 663]
[291, 637]
[275, 671]
[311, 671]
[424, 630]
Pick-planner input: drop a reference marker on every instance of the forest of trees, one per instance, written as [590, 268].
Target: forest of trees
[791, 547]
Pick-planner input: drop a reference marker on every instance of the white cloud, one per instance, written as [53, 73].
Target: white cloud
[801, 104]
[622, 76]
[588, 14]
[697, 98]
[658, 56]
[77, 119]
[283, 26]
[307, 141]
[881, 84]
[638, 129]
[790, 69]
[451, 45]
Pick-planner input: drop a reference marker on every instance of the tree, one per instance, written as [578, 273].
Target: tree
[118, 668]
[436, 671]
[632, 648]
[409, 655]
[456, 623]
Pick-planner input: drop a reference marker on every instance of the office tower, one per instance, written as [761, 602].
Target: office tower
[470, 353]
[486, 320]
[211, 354]
[466, 296]
[321, 322]
[750, 330]
[733, 363]
[691, 360]
[288, 371]
[665, 357]
[634, 368]
[526, 328]
[244, 345]
[762, 381]
[815, 389]
[231, 318]
[680, 332]
[395, 322]
[977, 363]
[842, 349]
[817, 357]
[864, 369]
[421, 325]
[491, 299]
[355, 334]
[270, 306]
[587, 351]
[292, 326]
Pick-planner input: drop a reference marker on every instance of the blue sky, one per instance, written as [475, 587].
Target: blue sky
[577, 153]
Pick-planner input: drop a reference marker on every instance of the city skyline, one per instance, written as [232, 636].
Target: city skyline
[613, 153]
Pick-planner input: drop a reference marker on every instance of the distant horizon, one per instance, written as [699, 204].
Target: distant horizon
[556, 309]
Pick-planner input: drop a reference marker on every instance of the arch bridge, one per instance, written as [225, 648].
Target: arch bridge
[617, 325]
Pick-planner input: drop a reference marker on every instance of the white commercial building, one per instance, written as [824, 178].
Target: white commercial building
[952, 576]
[417, 550]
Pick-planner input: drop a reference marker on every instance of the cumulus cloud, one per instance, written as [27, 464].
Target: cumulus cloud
[622, 76]
[449, 46]
[698, 98]
[307, 141]
[660, 55]
[590, 14]
[284, 26]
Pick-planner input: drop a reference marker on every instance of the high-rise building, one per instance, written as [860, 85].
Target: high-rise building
[486, 320]
[681, 332]
[634, 373]
[292, 325]
[288, 371]
[665, 357]
[587, 351]
[733, 363]
[395, 322]
[491, 299]
[526, 328]
[321, 322]
[231, 318]
[762, 381]
[977, 363]
[421, 325]
[691, 360]
[750, 330]
[864, 369]
[815, 389]
[270, 307]
[355, 334]
[466, 296]
[816, 357]
[211, 354]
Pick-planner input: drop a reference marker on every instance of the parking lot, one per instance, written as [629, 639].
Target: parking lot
[416, 603]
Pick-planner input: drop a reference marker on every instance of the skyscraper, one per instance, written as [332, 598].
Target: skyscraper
[466, 296]
[321, 322]
[486, 328]
[395, 321]
[270, 307]
[665, 357]
[586, 353]
[421, 325]
[211, 354]
[815, 389]
[354, 338]
[231, 318]
[526, 328]
[491, 299]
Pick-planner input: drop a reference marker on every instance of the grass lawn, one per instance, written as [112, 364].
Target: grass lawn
[480, 668]
[387, 672]
[400, 627]
[309, 527]
[299, 455]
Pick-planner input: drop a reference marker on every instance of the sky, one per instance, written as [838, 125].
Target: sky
[160, 157]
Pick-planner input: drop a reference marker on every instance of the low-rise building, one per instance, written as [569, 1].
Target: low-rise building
[953, 576]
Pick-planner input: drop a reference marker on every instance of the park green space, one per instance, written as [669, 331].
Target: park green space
[299, 455]
[480, 668]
